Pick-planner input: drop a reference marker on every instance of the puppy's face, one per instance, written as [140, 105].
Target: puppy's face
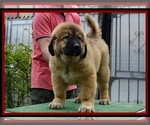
[68, 39]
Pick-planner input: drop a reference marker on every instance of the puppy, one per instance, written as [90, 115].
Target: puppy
[80, 59]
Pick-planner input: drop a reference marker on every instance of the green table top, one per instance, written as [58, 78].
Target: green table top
[70, 106]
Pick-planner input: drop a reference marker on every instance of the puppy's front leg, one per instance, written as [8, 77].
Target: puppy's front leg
[87, 94]
[59, 88]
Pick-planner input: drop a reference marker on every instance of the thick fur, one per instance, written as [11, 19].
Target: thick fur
[80, 59]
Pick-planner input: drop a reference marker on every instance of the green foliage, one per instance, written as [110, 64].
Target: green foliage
[17, 74]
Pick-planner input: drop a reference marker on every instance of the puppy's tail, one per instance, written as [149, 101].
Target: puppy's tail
[93, 25]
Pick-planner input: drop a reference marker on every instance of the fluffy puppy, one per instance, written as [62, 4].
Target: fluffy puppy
[80, 59]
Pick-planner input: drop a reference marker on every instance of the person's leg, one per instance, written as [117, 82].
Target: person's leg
[41, 96]
[71, 94]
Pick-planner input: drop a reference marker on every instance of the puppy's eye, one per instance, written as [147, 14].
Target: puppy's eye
[66, 37]
[79, 38]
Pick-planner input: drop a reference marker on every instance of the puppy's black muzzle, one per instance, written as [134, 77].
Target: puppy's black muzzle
[73, 47]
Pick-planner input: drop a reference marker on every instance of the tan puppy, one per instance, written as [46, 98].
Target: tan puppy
[80, 59]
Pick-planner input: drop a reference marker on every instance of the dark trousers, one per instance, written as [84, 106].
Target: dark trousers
[43, 96]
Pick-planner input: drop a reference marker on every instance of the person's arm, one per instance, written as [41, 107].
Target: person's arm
[43, 44]
[42, 30]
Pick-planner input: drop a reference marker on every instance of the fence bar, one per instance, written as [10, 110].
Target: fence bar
[23, 34]
[17, 36]
[119, 91]
[116, 46]
[129, 46]
[139, 33]
[120, 43]
[138, 92]
[128, 90]
[10, 33]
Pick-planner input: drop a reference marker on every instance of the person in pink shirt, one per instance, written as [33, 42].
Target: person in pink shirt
[42, 27]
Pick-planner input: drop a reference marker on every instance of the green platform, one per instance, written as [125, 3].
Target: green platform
[70, 106]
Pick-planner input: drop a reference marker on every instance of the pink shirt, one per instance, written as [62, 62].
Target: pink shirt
[43, 25]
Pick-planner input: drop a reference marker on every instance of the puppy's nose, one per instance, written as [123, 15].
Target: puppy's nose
[76, 46]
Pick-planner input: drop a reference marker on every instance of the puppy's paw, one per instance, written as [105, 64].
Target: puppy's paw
[86, 118]
[77, 100]
[86, 109]
[104, 102]
[53, 105]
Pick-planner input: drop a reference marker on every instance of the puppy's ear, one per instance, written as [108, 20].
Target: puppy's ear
[85, 52]
[50, 47]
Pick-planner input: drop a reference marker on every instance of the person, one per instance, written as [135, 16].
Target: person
[42, 27]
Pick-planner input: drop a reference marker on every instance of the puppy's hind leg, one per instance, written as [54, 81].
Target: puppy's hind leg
[78, 98]
[103, 77]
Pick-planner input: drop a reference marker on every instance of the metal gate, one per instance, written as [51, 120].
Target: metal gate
[128, 58]
[15, 32]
